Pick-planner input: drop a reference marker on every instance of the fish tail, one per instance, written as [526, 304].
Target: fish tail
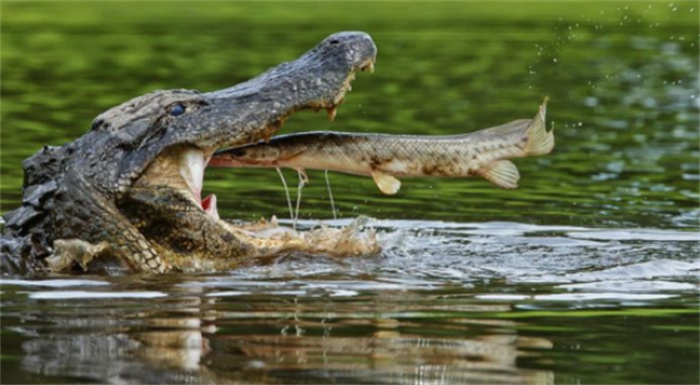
[540, 141]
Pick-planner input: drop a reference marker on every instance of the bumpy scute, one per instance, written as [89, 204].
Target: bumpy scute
[80, 198]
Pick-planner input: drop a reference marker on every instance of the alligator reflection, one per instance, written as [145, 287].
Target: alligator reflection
[193, 337]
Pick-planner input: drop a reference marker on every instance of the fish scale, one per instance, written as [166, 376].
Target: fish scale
[387, 157]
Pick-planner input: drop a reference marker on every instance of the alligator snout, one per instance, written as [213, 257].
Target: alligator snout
[355, 50]
[254, 110]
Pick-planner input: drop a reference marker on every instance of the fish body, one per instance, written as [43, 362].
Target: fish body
[387, 157]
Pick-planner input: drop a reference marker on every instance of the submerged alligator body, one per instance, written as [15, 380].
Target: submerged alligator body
[129, 190]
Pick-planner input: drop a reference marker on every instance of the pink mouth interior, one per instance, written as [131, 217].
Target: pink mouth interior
[209, 205]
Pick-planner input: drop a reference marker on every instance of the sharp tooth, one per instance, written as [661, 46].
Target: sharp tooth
[192, 171]
[277, 124]
[331, 111]
[339, 99]
[371, 67]
[349, 87]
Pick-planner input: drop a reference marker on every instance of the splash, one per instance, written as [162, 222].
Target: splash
[355, 239]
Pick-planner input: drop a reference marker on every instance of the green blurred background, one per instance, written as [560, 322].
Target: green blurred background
[621, 77]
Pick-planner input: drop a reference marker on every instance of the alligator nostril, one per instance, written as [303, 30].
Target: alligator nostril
[96, 124]
[334, 42]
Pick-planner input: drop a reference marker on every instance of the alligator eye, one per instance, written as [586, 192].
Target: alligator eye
[177, 110]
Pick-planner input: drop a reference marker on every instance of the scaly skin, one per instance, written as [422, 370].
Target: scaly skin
[386, 156]
[101, 194]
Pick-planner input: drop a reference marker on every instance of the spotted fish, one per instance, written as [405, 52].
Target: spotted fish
[386, 157]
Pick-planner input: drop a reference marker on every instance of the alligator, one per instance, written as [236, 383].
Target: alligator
[129, 190]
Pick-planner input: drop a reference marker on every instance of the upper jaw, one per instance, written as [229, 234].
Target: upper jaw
[255, 110]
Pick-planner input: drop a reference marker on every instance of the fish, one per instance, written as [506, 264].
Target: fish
[387, 157]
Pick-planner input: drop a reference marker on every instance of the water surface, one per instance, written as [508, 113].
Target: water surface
[588, 273]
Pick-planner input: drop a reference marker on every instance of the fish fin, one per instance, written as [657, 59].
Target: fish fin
[540, 141]
[502, 173]
[387, 184]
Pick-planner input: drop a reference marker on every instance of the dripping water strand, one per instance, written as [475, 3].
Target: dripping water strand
[330, 195]
[289, 198]
[302, 182]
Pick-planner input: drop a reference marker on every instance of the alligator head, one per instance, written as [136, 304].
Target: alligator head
[131, 186]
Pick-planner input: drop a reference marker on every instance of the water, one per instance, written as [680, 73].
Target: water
[588, 273]
[445, 303]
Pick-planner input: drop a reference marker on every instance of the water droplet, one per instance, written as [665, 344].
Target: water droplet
[590, 101]
[554, 60]
[580, 124]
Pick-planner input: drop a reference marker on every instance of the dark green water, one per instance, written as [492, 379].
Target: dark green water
[588, 273]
